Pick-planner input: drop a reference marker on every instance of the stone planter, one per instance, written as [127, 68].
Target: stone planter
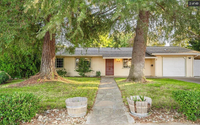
[77, 106]
[140, 108]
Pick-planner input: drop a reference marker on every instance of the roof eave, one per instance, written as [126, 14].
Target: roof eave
[126, 57]
[79, 55]
[175, 54]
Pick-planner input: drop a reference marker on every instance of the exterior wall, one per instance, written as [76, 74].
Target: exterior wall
[124, 72]
[158, 66]
[188, 65]
[149, 67]
[97, 64]
[119, 70]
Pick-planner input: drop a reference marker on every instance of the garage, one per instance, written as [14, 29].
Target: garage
[196, 68]
[173, 66]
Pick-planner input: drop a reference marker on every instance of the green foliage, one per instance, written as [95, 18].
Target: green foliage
[62, 72]
[3, 77]
[135, 99]
[20, 51]
[20, 62]
[142, 98]
[189, 102]
[98, 73]
[83, 67]
[195, 45]
[17, 107]
[55, 93]
[159, 90]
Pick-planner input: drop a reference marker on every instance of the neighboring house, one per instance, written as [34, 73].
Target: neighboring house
[159, 61]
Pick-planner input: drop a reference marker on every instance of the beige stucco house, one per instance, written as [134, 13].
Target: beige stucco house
[159, 61]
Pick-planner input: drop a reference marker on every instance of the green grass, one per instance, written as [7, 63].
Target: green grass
[54, 94]
[160, 90]
[10, 82]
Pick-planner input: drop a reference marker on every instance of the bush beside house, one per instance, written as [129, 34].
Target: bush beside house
[83, 67]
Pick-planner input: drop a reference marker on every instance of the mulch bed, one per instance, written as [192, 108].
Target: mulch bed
[36, 79]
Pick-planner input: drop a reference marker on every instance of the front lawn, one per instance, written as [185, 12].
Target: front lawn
[54, 94]
[160, 90]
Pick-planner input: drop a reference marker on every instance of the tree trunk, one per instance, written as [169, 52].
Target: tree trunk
[136, 73]
[47, 68]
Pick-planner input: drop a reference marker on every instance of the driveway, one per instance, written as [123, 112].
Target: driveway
[186, 79]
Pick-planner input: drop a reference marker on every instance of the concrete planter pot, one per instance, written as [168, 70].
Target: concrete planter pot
[140, 108]
[77, 106]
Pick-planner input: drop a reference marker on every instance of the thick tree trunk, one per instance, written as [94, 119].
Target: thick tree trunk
[47, 68]
[136, 73]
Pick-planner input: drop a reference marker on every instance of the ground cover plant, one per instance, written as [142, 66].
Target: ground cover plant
[3, 77]
[160, 90]
[189, 102]
[17, 107]
[53, 94]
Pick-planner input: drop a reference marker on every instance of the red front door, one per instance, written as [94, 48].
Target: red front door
[109, 66]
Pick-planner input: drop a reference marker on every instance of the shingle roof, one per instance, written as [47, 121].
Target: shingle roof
[169, 49]
[124, 52]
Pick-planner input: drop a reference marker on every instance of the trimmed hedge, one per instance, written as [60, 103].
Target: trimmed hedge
[189, 102]
[17, 107]
[3, 77]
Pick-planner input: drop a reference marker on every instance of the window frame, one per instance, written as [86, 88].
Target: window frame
[56, 62]
[126, 62]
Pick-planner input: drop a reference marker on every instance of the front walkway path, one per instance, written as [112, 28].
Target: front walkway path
[109, 108]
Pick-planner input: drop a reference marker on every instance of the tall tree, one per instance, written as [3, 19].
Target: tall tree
[53, 16]
[139, 48]
[164, 16]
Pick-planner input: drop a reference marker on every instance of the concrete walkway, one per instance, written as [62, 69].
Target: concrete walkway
[109, 108]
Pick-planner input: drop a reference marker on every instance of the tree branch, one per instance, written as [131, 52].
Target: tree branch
[194, 35]
[107, 10]
[160, 6]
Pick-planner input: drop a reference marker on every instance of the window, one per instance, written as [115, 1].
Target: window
[59, 62]
[126, 63]
[88, 60]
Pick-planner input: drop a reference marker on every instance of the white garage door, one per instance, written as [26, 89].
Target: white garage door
[173, 66]
[196, 68]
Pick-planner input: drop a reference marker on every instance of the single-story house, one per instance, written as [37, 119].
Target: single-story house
[159, 61]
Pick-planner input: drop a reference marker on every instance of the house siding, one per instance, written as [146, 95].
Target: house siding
[98, 64]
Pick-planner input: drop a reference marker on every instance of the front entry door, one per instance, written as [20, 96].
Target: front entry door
[109, 66]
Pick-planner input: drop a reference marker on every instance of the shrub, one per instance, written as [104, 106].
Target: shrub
[17, 107]
[3, 77]
[23, 62]
[98, 73]
[189, 102]
[62, 72]
[83, 67]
